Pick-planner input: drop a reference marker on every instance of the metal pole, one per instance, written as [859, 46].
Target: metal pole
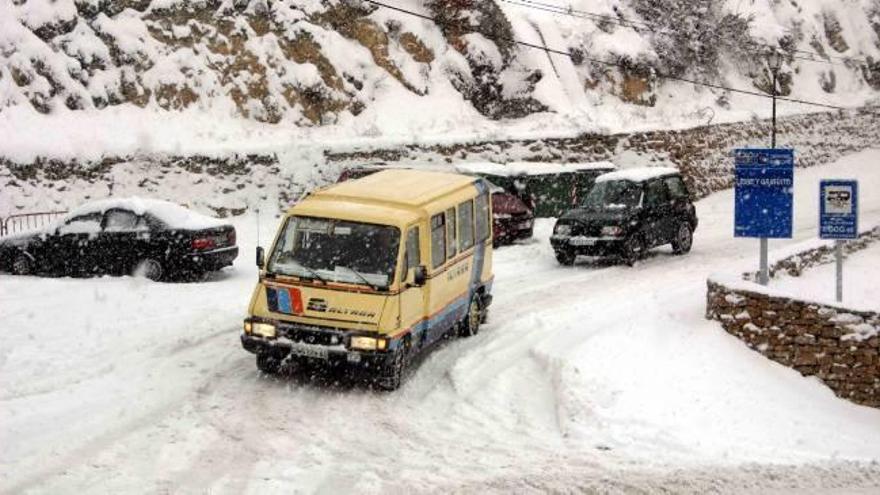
[773, 131]
[764, 275]
[838, 254]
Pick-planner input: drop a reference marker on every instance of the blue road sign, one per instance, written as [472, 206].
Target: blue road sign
[838, 209]
[763, 193]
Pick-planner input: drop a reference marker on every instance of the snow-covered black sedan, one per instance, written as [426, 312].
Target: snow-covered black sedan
[153, 238]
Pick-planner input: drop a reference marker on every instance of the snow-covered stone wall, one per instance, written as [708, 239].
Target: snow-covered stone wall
[230, 183]
[840, 346]
[703, 153]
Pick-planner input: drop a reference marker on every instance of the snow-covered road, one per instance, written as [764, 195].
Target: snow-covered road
[591, 376]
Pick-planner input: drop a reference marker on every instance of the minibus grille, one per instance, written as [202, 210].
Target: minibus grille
[312, 335]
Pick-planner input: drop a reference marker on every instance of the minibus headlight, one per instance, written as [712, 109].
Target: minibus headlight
[361, 343]
[612, 230]
[262, 329]
[562, 229]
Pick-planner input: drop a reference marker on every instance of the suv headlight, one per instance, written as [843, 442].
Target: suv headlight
[612, 231]
[501, 216]
[563, 229]
[362, 343]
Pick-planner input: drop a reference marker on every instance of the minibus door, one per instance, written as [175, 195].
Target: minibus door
[413, 296]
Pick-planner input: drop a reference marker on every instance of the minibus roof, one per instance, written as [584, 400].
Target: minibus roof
[389, 197]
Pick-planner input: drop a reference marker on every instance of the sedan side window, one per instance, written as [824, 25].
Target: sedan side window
[655, 193]
[84, 224]
[120, 221]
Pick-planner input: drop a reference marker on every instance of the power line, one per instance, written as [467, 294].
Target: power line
[636, 24]
[615, 64]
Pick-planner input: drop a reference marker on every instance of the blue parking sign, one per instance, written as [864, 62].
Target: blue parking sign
[838, 209]
[763, 193]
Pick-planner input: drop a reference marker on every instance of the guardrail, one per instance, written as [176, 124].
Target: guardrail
[24, 222]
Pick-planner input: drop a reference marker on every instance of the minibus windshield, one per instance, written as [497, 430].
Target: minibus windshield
[613, 195]
[336, 251]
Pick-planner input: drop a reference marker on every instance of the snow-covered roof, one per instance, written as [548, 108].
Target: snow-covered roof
[639, 174]
[171, 214]
[530, 168]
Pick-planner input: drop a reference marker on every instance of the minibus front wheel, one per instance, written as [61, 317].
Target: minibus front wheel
[392, 375]
[268, 364]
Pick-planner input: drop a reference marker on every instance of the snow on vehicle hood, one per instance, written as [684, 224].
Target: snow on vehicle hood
[171, 214]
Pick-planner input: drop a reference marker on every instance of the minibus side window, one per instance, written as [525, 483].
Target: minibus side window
[466, 225]
[438, 240]
[482, 217]
[450, 234]
[412, 258]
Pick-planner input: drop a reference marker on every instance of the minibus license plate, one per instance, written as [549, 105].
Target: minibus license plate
[308, 351]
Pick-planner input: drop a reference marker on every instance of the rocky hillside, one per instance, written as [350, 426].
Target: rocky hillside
[355, 68]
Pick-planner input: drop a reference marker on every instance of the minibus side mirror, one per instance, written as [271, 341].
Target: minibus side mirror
[420, 275]
[261, 257]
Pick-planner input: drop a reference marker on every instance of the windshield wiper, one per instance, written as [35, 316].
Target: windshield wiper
[312, 272]
[360, 275]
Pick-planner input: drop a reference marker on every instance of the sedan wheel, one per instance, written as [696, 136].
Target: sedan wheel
[151, 269]
[22, 265]
[684, 239]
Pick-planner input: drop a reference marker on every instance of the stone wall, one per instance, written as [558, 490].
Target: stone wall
[703, 154]
[839, 346]
[237, 183]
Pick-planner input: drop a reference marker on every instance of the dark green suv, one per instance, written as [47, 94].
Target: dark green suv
[627, 213]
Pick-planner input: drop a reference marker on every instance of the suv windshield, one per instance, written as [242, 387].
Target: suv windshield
[613, 195]
[336, 251]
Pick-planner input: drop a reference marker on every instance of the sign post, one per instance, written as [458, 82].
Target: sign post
[763, 197]
[839, 219]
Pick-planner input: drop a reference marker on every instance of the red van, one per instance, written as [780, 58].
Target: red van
[512, 219]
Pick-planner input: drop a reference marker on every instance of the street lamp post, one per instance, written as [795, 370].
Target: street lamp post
[774, 60]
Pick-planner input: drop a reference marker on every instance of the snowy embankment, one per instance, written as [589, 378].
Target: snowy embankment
[86, 80]
[588, 376]
[861, 273]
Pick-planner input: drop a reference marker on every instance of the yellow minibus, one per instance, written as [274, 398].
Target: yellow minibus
[368, 273]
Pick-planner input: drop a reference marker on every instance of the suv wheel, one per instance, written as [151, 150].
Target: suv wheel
[565, 257]
[633, 249]
[684, 239]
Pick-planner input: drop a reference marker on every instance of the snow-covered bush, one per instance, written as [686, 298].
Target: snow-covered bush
[495, 82]
[690, 37]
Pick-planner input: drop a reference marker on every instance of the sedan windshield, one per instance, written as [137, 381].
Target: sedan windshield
[613, 195]
[336, 251]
